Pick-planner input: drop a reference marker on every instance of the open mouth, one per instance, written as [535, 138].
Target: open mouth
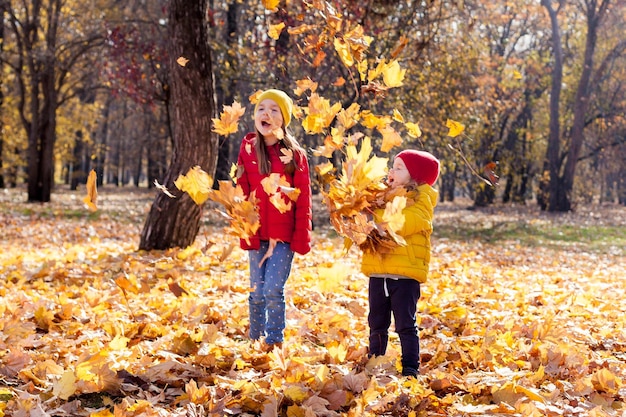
[266, 124]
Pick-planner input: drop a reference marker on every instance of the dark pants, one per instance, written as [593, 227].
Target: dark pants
[400, 298]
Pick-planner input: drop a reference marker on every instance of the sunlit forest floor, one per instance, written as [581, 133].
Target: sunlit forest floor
[523, 314]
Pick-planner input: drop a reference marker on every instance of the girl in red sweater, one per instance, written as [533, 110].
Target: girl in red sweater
[285, 225]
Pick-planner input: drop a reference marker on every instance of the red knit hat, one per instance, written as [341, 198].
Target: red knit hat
[423, 166]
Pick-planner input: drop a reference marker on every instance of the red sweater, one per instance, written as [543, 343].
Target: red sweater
[293, 226]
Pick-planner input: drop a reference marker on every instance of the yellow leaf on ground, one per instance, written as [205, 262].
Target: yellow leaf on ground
[65, 387]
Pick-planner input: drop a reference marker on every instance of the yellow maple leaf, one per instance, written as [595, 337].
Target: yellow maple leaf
[238, 210]
[350, 116]
[287, 155]
[182, 61]
[304, 85]
[604, 380]
[391, 138]
[271, 5]
[296, 393]
[197, 183]
[413, 129]
[65, 387]
[456, 128]
[228, 121]
[272, 182]
[320, 114]
[291, 192]
[371, 121]
[393, 75]
[197, 395]
[392, 216]
[358, 42]
[362, 68]
[343, 50]
[375, 73]
[92, 191]
[274, 30]
[279, 202]
[397, 116]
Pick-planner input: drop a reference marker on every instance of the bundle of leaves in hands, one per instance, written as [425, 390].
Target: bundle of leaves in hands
[355, 193]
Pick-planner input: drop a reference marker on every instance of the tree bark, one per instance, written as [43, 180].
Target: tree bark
[3, 7]
[174, 222]
[581, 103]
[554, 189]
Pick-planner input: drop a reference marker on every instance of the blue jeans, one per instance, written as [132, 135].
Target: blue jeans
[398, 297]
[267, 299]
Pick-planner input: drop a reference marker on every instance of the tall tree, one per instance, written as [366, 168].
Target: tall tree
[3, 7]
[48, 54]
[562, 166]
[174, 222]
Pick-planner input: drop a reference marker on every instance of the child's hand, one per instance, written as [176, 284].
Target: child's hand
[270, 251]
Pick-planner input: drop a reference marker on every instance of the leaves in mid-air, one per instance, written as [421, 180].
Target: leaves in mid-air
[197, 183]
[456, 128]
[92, 192]
[228, 121]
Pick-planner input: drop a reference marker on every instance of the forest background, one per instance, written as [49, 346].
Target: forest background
[523, 102]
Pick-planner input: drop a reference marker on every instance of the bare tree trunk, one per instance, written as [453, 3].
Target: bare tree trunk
[3, 7]
[174, 222]
[554, 189]
[581, 104]
[227, 95]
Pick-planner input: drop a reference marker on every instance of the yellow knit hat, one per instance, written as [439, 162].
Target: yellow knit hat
[282, 99]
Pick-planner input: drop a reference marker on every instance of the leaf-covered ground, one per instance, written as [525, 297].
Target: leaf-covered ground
[523, 315]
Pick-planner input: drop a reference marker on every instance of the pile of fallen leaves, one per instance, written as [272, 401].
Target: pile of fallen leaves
[89, 326]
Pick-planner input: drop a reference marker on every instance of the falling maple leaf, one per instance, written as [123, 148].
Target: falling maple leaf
[182, 61]
[272, 182]
[240, 211]
[320, 114]
[413, 129]
[397, 116]
[391, 138]
[287, 155]
[197, 183]
[343, 50]
[456, 128]
[305, 85]
[274, 30]
[228, 122]
[271, 5]
[92, 192]
[393, 75]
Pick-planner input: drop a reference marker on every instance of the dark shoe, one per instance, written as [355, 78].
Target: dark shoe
[409, 372]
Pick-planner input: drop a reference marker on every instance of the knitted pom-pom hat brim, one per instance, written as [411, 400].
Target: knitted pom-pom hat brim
[422, 166]
[279, 97]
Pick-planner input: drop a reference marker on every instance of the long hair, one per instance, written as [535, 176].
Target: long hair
[287, 142]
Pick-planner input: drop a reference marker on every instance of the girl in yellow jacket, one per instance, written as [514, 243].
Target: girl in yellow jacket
[395, 273]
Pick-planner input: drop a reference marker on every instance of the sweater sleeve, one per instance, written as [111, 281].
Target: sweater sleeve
[301, 240]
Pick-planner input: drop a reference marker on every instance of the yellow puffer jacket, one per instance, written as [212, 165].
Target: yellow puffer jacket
[411, 260]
